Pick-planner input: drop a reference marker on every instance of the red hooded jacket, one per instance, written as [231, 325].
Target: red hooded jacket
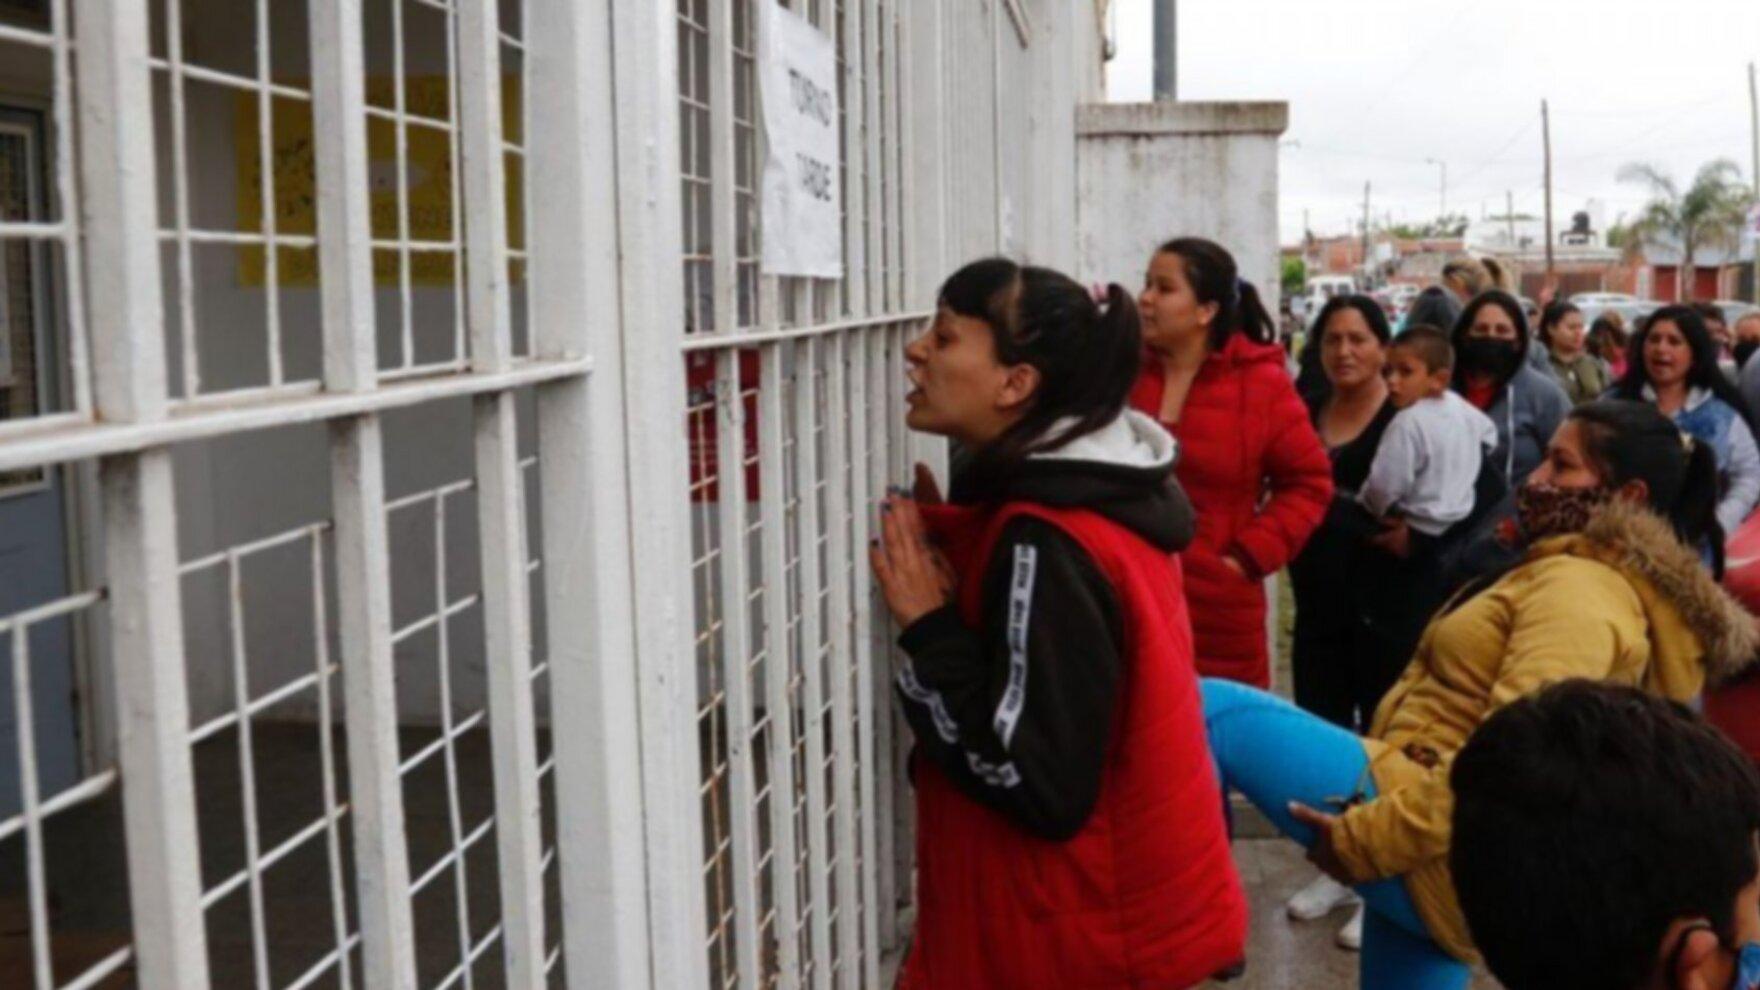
[1260, 482]
[1070, 829]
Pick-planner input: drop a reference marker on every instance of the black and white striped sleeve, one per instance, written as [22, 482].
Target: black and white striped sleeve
[1019, 713]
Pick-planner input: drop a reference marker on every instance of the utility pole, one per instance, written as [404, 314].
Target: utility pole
[1442, 205]
[1166, 50]
[1366, 278]
[1546, 132]
[1754, 111]
[1509, 216]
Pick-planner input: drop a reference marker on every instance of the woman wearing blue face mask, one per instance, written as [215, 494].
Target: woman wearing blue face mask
[1640, 873]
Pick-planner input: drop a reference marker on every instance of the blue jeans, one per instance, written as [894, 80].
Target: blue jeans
[1275, 753]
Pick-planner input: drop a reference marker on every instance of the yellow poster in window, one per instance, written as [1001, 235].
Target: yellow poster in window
[420, 212]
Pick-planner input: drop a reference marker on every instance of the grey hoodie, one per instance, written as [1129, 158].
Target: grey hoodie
[1527, 414]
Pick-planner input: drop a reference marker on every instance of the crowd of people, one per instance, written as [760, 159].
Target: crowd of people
[1505, 548]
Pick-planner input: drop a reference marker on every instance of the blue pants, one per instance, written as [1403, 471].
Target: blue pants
[1275, 753]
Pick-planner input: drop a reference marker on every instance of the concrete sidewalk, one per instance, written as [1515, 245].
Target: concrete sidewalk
[1290, 955]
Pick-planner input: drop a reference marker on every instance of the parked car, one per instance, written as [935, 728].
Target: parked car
[1735, 309]
[1585, 300]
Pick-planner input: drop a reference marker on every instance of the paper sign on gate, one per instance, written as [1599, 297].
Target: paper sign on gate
[802, 193]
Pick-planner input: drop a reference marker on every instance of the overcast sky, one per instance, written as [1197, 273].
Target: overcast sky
[1375, 87]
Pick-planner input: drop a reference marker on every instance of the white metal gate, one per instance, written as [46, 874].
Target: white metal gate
[469, 604]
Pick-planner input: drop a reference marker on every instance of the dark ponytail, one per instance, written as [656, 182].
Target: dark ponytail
[1632, 441]
[1215, 278]
[1087, 352]
[1696, 508]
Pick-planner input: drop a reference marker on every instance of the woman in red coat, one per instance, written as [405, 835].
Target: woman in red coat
[1249, 458]
[1068, 828]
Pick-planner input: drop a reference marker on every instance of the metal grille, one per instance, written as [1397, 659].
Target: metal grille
[323, 371]
[789, 872]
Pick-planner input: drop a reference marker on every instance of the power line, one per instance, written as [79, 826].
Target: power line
[1527, 125]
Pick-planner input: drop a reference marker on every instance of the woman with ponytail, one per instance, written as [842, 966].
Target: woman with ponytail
[1610, 587]
[1249, 458]
[1068, 829]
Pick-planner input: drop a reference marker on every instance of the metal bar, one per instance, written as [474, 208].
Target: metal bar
[81, 792]
[138, 501]
[876, 122]
[841, 659]
[736, 646]
[445, 739]
[855, 195]
[337, 958]
[501, 519]
[327, 767]
[443, 676]
[770, 335]
[247, 774]
[215, 726]
[512, 720]
[186, 308]
[772, 557]
[230, 80]
[266, 200]
[256, 864]
[1166, 30]
[645, 72]
[862, 499]
[459, 849]
[81, 441]
[36, 875]
[576, 307]
[878, 718]
[363, 569]
[101, 969]
[370, 704]
[812, 634]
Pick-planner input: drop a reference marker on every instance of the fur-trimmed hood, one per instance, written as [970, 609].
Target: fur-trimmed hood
[1698, 631]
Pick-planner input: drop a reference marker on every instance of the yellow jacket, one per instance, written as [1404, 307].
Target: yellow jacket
[1623, 602]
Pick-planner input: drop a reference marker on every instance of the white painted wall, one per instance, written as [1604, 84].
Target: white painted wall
[1147, 172]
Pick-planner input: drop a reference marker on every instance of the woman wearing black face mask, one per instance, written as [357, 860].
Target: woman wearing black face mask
[1491, 341]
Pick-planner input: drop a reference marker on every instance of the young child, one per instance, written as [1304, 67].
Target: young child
[1424, 471]
[1605, 838]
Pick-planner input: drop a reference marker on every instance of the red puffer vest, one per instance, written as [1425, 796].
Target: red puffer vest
[1260, 482]
[1146, 894]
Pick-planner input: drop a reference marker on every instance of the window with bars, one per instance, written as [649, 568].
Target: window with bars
[389, 589]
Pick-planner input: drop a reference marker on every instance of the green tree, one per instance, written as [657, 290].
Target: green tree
[1294, 277]
[1708, 213]
[1452, 225]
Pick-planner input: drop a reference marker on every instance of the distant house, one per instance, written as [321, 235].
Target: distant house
[1717, 273]
[1582, 260]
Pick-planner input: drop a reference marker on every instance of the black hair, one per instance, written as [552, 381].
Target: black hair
[1702, 373]
[1633, 441]
[1215, 278]
[1551, 317]
[1709, 311]
[1311, 380]
[1430, 345]
[1587, 819]
[1511, 307]
[1087, 353]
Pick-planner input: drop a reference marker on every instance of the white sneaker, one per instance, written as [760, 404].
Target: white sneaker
[1351, 935]
[1319, 899]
